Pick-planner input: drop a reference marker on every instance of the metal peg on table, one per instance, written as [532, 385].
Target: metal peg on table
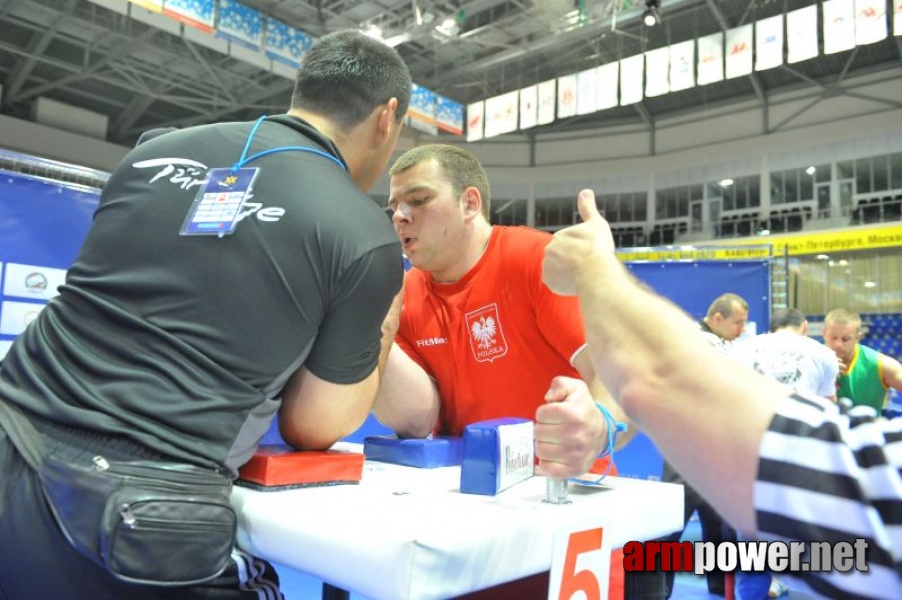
[556, 490]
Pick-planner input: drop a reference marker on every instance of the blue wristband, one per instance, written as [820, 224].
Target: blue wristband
[613, 426]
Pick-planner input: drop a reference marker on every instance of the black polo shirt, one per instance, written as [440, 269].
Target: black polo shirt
[183, 343]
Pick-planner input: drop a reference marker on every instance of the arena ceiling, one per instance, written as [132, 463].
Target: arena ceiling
[86, 54]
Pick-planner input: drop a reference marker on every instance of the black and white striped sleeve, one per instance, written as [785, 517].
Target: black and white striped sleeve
[825, 476]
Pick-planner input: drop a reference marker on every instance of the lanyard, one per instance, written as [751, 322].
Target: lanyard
[245, 159]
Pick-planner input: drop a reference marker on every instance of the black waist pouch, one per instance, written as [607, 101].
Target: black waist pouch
[148, 522]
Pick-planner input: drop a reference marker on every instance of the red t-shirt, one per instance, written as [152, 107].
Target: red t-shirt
[493, 340]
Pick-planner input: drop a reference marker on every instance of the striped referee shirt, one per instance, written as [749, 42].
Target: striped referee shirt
[826, 476]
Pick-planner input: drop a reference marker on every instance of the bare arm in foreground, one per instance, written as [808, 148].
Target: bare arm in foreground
[706, 414]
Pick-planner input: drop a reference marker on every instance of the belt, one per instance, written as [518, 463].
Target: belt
[69, 441]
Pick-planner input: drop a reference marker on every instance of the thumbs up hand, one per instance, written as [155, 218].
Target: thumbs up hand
[575, 247]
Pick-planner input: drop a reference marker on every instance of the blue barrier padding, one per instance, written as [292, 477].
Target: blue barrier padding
[420, 453]
[482, 466]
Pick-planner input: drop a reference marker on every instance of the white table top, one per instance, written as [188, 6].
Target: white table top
[406, 533]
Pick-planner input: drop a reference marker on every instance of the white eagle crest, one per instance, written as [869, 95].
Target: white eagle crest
[484, 331]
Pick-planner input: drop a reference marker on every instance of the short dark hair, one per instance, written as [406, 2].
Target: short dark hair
[460, 166]
[725, 303]
[786, 317]
[346, 74]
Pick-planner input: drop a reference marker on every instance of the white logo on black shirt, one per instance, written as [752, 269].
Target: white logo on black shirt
[184, 172]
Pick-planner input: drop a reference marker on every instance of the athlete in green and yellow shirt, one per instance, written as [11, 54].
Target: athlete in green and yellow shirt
[865, 375]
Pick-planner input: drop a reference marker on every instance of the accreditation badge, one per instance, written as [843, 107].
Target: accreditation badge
[217, 205]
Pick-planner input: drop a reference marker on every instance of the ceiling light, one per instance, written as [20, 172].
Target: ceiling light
[726, 182]
[870, 284]
[651, 17]
[823, 257]
[810, 170]
[452, 26]
[374, 31]
[448, 27]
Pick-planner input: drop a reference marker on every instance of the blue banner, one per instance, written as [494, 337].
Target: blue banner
[240, 24]
[421, 112]
[449, 115]
[42, 226]
[694, 286]
[196, 13]
[285, 43]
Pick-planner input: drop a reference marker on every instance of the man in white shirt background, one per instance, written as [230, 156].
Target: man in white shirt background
[785, 354]
[788, 355]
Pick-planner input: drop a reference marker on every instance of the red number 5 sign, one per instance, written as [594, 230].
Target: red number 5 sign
[580, 566]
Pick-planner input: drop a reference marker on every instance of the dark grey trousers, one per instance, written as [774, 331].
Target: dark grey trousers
[714, 528]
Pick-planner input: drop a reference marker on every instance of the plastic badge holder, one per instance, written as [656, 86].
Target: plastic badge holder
[276, 467]
[497, 454]
[421, 453]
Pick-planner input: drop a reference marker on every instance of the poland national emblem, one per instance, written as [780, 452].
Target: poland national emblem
[486, 337]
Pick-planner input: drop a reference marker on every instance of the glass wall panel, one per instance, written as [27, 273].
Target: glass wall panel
[776, 188]
[640, 205]
[626, 207]
[791, 186]
[862, 175]
[895, 161]
[881, 173]
[806, 186]
[845, 169]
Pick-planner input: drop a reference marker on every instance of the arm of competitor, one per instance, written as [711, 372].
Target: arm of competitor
[408, 400]
[316, 412]
[570, 430]
[705, 413]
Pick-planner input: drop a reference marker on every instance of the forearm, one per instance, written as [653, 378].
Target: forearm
[604, 398]
[316, 413]
[384, 350]
[389, 328]
[705, 413]
[600, 394]
[407, 400]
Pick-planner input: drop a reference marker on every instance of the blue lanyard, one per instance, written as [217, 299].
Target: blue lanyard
[245, 159]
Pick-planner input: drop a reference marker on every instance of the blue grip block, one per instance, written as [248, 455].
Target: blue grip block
[421, 453]
[497, 454]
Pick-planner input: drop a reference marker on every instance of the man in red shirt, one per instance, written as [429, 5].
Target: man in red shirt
[480, 336]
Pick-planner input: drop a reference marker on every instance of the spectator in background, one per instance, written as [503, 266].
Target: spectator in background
[721, 325]
[788, 356]
[725, 320]
[865, 375]
[778, 466]
[166, 347]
